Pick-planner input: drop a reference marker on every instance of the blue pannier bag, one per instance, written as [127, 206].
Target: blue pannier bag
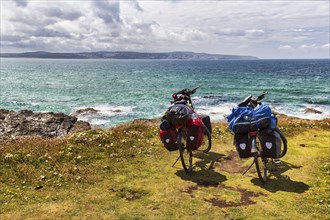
[245, 119]
[273, 122]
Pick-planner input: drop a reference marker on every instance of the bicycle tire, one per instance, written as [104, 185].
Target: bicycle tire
[260, 167]
[207, 141]
[185, 153]
[284, 141]
[260, 163]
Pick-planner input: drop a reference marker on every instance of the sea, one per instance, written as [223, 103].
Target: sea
[123, 90]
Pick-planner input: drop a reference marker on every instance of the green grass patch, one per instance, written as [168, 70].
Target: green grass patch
[126, 173]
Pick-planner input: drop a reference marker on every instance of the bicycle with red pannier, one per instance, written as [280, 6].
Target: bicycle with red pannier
[182, 129]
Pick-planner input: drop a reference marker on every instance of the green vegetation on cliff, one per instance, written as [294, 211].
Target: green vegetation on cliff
[126, 173]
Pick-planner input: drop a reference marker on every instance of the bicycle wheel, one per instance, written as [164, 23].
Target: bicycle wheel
[185, 153]
[260, 162]
[284, 141]
[207, 142]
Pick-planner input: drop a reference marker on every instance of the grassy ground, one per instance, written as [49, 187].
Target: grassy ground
[126, 173]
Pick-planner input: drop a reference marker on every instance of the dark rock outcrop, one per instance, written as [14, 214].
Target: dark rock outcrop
[49, 124]
[312, 110]
[84, 112]
[80, 126]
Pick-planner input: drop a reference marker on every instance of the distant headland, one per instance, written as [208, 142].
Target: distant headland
[128, 55]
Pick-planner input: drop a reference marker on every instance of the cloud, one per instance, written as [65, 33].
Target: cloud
[230, 32]
[109, 12]
[10, 38]
[227, 27]
[47, 32]
[135, 4]
[60, 13]
[305, 46]
[285, 47]
[186, 35]
[21, 3]
[254, 33]
[326, 46]
[29, 20]
[301, 30]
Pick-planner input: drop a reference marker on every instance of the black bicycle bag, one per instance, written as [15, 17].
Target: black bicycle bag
[179, 114]
[242, 144]
[207, 122]
[248, 125]
[271, 143]
[164, 124]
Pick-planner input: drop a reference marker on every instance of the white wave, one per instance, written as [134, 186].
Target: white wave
[219, 112]
[216, 113]
[103, 113]
[93, 121]
[110, 110]
[300, 112]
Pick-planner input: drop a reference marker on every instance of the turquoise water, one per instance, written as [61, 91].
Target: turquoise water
[123, 90]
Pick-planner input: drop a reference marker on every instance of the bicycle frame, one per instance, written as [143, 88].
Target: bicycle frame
[253, 136]
[182, 132]
[261, 166]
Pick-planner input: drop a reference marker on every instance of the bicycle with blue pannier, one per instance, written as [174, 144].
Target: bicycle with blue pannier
[256, 134]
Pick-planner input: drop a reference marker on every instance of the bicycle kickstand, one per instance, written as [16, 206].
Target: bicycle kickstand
[176, 161]
[248, 168]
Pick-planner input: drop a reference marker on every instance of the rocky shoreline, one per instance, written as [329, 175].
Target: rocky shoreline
[28, 123]
[49, 124]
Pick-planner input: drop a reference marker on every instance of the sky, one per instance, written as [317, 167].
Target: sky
[266, 29]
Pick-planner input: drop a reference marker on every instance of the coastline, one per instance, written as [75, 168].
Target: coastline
[48, 124]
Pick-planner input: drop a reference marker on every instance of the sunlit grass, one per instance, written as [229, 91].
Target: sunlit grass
[126, 173]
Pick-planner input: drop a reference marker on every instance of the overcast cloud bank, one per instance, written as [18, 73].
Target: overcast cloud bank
[267, 29]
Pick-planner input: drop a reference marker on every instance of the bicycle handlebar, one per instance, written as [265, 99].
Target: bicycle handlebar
[252, 101]
[183, 96]
[185, 92]
[260, 97]
[194, 90]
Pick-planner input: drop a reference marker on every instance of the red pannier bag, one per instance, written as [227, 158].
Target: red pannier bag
[195, 133]
[168, 138]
